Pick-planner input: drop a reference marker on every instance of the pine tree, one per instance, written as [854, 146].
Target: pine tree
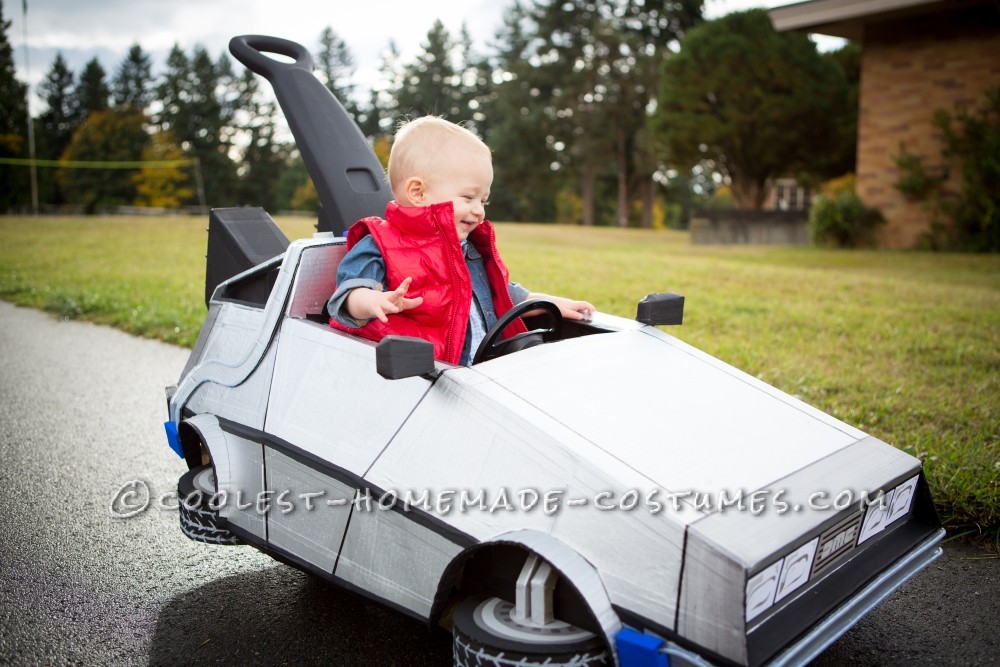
[432, 84]
[173, 93]
[336, 68]
[92, 90]
[383, 109]
[212, 107]
[133, 82]
[14, 183]
[60, 117]
[55, 125]
[264, 158]
[199, 102]
[520, 127]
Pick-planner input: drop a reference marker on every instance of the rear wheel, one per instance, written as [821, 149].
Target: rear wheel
[199, 521]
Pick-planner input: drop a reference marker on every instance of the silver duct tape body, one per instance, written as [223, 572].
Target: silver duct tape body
[707, 502]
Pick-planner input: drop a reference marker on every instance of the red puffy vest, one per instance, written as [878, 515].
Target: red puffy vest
[421, 243]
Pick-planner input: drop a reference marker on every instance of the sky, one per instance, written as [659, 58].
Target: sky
[105, 29]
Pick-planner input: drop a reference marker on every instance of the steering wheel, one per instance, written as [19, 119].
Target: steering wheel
[491, 345]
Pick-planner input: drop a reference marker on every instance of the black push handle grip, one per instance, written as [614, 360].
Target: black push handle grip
[250, 50]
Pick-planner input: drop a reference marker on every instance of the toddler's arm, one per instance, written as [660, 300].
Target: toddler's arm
[364, 303]
[570, 309]
[359, 296]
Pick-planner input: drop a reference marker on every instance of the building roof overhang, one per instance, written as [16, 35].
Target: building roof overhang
[848, 18]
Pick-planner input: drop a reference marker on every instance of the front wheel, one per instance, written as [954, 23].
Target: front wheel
[488, 632]
[199, 521]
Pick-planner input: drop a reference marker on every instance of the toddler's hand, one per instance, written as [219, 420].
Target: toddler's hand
[575, 310]
[396, 301]
[366, 304]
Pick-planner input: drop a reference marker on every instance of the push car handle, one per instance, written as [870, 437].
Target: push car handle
[349, 179]
[251, 49]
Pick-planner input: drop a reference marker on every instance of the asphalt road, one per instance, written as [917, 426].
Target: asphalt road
[81, 413]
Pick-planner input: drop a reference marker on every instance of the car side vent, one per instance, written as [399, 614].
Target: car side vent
[240, 239]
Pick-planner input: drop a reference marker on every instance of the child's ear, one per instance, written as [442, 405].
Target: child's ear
[415, 190]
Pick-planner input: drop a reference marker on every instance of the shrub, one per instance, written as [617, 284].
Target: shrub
[968, 218]
[973, 139]
[840, 219]
[722, 198]
[839, 184]
[569, 208]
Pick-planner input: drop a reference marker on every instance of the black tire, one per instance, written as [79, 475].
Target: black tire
[485, 635]
[199, 521]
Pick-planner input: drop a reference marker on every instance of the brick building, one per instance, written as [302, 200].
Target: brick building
[917, 56]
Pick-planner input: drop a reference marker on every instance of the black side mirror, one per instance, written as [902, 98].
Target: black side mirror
[662, 308]
[398, 357]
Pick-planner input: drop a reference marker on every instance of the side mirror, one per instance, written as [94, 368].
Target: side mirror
[398, 357]
[662, 308]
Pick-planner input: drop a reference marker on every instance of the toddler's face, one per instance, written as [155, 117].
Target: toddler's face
[465, 182]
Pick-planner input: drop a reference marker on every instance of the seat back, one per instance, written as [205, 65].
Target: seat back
[316, 280]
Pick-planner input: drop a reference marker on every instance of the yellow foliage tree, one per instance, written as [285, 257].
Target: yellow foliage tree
[305, 197]
[381, 148]
[162, 186]
[105, 138]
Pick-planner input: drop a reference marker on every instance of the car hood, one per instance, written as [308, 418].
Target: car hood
[681, 418]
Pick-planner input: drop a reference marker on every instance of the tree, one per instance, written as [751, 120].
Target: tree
[106, 136]
[133, 82]
[173, 92]
[199, 102]
[92, 90]
[56, 124]
[292, 178]
[264, 158]
[755, 102]
[336, 68]
[432, 83]
[382, 112]
[603, 59]
[13, 126]
[305, 197]
[161, 185]
[528, 168]
[843, 158]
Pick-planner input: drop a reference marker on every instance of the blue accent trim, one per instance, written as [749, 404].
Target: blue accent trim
[638, 650]
[173, 439]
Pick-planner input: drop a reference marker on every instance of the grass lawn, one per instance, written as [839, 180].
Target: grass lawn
[904, 345]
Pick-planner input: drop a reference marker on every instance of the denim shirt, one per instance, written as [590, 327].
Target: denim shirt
[363, 266]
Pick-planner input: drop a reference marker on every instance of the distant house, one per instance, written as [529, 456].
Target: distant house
[786, 194]
[917, 56]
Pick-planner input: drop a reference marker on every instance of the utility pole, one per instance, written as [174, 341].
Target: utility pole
[31, 122]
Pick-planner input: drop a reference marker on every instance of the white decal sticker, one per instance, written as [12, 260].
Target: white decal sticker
[877, 517]
[761, 588]
[902, 499]
[796, 569]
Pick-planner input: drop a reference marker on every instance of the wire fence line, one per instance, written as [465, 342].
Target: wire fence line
[99, 164]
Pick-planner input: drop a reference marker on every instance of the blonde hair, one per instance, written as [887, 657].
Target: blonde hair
[421, 144]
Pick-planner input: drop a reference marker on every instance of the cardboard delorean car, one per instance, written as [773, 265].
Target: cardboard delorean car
[597, 493]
